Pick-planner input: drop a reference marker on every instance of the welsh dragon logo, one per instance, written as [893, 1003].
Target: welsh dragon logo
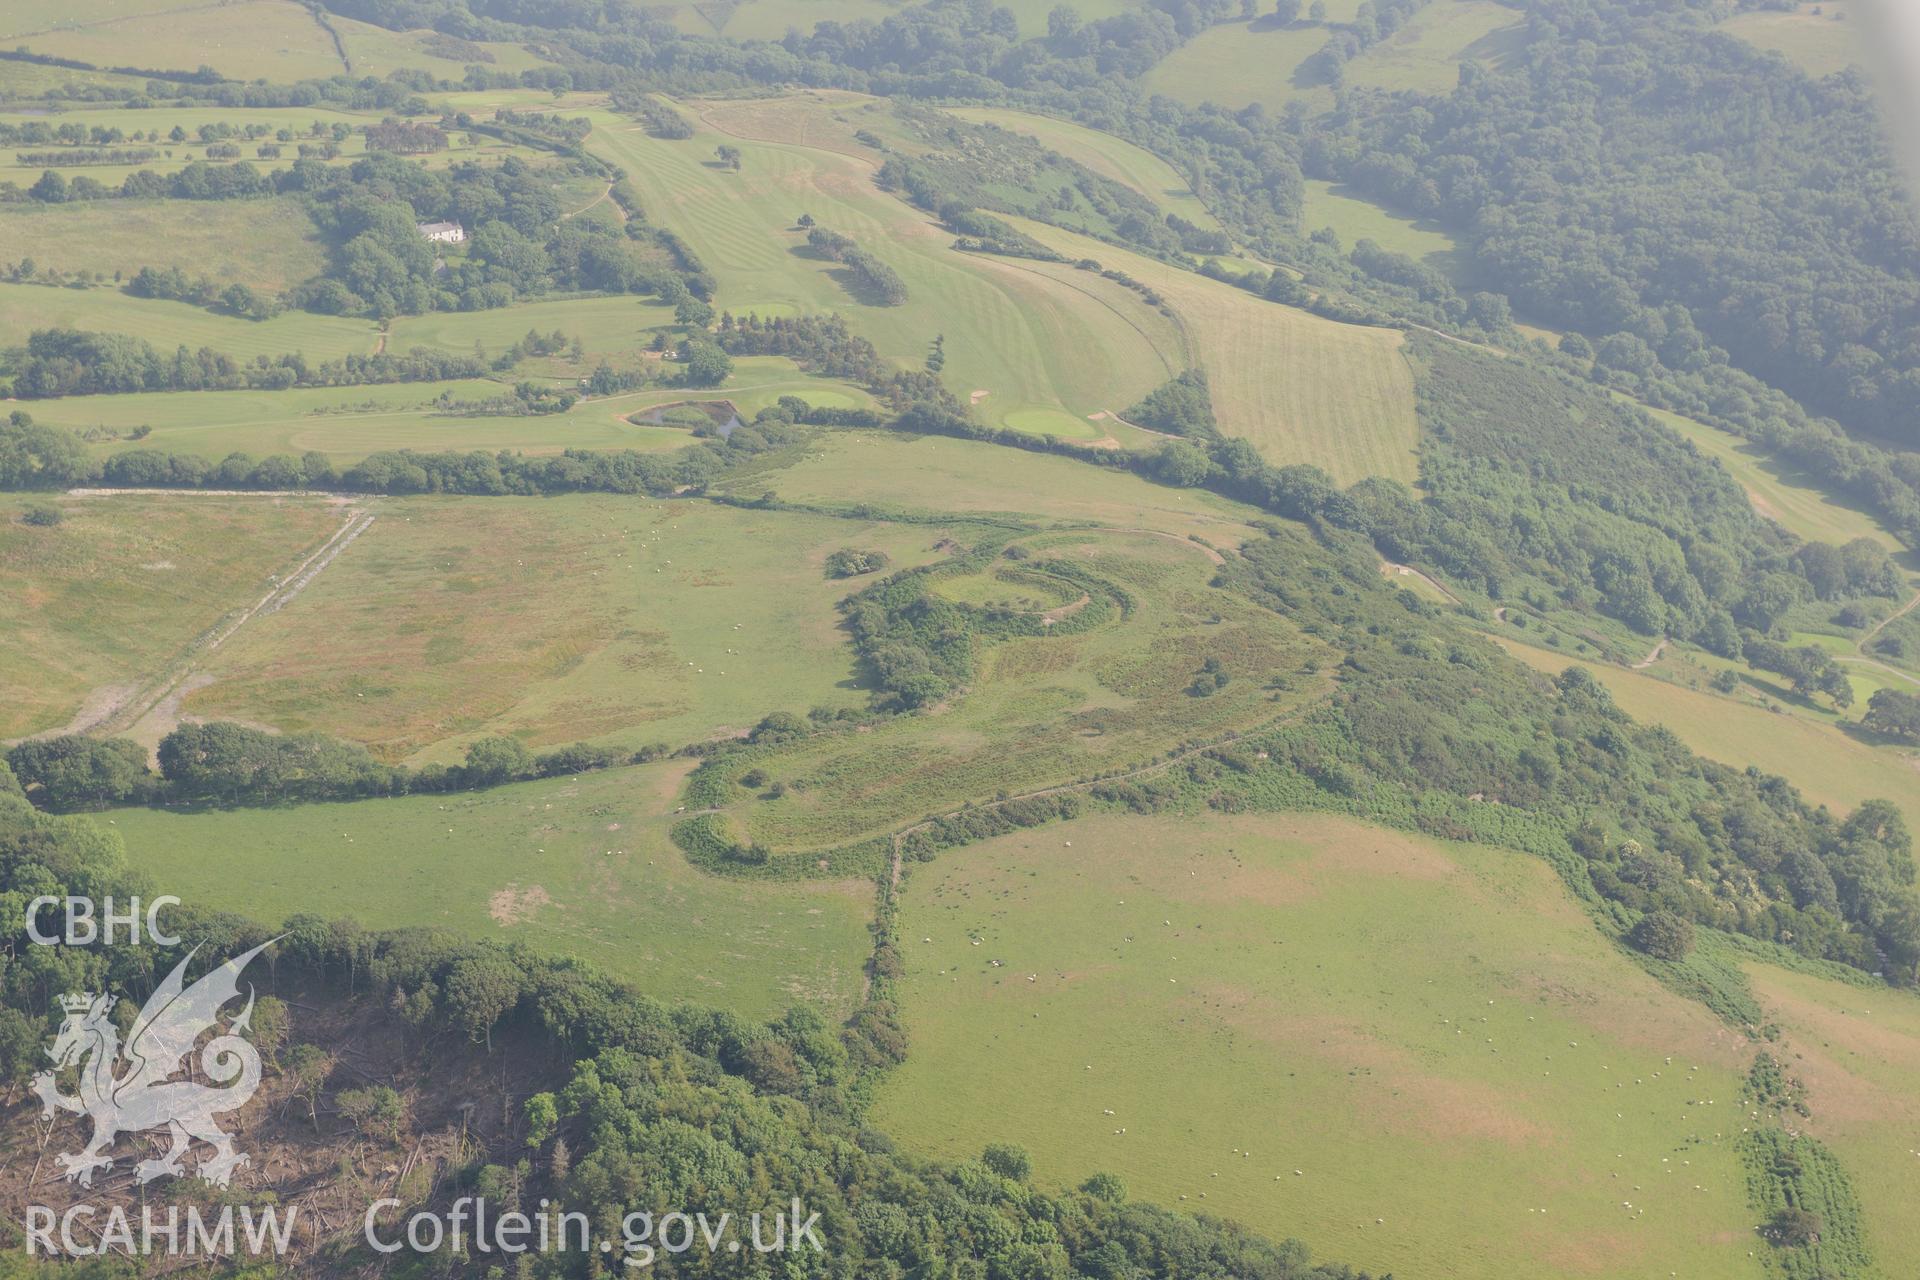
[142, 1096]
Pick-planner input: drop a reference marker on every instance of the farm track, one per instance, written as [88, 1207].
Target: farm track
[1201, 547]
[594, 203]
[1389, 567]
[1882, 625]
[1865, 660]
[143, 699]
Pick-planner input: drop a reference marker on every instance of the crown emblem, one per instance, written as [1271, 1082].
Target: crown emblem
[77, 1001]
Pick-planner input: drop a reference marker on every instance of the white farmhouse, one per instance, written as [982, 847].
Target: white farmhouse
[442, 232]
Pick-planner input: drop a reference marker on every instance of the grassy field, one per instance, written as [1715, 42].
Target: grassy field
[348, 423]
[272, 39]
[1236, 65]
[1828, 765]
[26, 18]
[1425, 55]
[1823, 38]
[570, 866]
[27, 81]
[166, 325]
[1053, 708]
[1029, 341]
[556, 620]
[934, 474]
[107, 597]
[607, 327]
[1857, 1050]
[1301, 388]
[1780, 491]
[1106, 155]
[376, 51]
[770, 19]
[1416, 1057]
[1694, 667]
[269, 244]
[1355, 218]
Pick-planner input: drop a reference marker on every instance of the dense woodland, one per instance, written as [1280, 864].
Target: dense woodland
[1642, 178]
[1538, 484]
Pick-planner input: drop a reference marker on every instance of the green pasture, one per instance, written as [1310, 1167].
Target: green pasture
[1236, 65]
[1006, 587]
[612, 329]
[1425, 54]
[106, 309]
[1356, 218]
[485, 102]
[28, 81]
[100, 603]
[1301, 388]
[1106, 155]
[1822, 38]
[24, 19]
[620, 620]
[1024, 338]
[348, 423]
[1779, 490]
[1418, 1058]
[573, 866]
[769, 19]
[269, 244]
[934, 474]
[1051, 708]
[376, 51]
[757, 382]
[271, 39]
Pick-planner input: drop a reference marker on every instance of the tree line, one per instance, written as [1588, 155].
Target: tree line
[74, 362]
[873, 280]
[222, 763]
